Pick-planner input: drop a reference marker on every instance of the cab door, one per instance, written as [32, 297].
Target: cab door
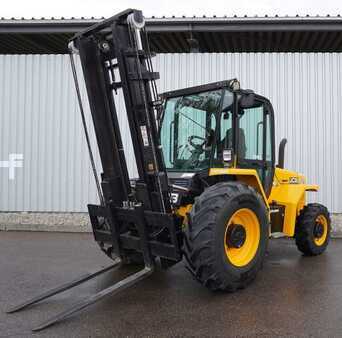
[255, 140]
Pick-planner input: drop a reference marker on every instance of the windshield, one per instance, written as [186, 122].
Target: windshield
[187, 133]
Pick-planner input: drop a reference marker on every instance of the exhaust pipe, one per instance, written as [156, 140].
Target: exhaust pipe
[281, 154]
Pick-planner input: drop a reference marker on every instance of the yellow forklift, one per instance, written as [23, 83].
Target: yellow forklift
[208, 187]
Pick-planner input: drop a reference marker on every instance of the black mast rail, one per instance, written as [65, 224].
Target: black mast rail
[113, 58]
[135, 218]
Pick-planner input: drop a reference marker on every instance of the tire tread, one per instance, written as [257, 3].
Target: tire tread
[303, 230]
[199, 235]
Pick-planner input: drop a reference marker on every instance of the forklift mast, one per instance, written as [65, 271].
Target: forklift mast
[129, 219]
[112, 59]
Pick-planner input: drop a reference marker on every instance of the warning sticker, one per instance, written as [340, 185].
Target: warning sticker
[144, 136]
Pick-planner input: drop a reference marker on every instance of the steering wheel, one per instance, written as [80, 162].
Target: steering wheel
[198, 149]
[197, 146]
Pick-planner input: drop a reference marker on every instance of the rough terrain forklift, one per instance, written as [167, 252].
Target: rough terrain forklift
[208, 188]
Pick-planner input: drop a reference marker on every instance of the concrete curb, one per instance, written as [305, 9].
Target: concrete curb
[79, 222]
[44, 221]
[44, 228]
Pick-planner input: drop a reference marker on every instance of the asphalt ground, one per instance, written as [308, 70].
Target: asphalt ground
[292, 296]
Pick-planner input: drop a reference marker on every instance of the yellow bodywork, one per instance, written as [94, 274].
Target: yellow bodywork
[288, 190]
[248, 176]
[183, 211]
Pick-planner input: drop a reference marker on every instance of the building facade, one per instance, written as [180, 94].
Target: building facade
[44, 164]
[40, 119]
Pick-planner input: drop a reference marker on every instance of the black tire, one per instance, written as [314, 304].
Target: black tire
[305, 233]
[206, 231]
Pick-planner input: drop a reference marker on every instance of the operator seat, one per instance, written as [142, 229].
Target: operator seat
[228, 142]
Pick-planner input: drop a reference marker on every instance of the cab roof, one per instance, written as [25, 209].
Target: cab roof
[197, 89]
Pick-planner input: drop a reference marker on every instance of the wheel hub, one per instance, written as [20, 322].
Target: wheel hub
[236, 236]
[318, 230]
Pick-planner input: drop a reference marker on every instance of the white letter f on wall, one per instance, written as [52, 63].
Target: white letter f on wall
[15, 161]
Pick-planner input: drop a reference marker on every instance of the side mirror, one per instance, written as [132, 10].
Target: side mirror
[247, 99]
[281, 154]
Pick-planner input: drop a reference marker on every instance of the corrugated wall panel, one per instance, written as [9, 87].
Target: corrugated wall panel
[39, 118]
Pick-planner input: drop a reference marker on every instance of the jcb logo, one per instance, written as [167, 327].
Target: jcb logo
[174, 197]
[293, 180]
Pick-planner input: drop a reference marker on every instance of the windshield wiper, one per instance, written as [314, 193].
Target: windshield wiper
[195, 122]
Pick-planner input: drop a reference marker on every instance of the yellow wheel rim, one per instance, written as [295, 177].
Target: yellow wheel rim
[243, 254]
[320, 238]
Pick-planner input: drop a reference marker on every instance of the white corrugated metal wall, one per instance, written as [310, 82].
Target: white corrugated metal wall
[39, 118]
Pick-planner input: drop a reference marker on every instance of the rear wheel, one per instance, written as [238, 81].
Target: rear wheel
[227, 236]
[313, 229]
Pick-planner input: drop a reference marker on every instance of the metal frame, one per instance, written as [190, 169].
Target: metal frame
[227, 84]
[109, 51]
[138, 219]
[262, 164]
[187, 34]
[60, 288]
[197, 24]
[170, 35]
[113, 289]
[222, 85]
[198, 89]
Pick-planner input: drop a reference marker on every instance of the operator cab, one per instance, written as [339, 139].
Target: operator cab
[217, 125]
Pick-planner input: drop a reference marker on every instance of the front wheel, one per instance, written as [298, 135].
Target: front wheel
[227, 236]
[313, 229]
